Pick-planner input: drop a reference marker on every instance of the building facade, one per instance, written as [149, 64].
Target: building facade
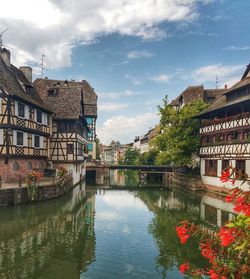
[25, 122]
[72, 131]
[45, 124]
[225, 135]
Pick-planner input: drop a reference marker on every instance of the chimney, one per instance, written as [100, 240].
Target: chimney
[5, 54]
[27, 71]
[225, 86]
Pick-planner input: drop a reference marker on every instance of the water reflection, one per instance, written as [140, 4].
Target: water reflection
[42, 240]
[106, 233]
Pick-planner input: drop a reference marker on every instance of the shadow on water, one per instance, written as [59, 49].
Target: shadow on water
[106, 233]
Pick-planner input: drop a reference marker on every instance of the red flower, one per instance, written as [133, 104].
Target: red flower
[225, 176]
[229, 198]
[207, 251]
[184, 267]
[212, 274]
[223, 277]
[182, 233]
[227, 235]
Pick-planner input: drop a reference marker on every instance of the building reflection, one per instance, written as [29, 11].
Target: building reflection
[42, 240]
[215, 210]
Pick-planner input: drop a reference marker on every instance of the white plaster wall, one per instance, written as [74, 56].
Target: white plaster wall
[215, 181]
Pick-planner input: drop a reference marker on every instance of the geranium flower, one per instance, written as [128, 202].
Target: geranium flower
[182, 233]
[225, 175]
[227, 235]
[213, 274]
[184, 267]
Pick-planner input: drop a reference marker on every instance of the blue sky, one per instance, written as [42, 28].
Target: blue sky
[132, 52]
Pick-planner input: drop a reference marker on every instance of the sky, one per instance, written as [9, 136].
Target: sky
[132, 52]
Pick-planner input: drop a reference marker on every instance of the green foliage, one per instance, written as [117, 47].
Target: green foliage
[180, 133]
[131, 157]
[149, 157]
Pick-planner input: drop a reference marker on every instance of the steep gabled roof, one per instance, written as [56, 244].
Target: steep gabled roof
[67, 100]
[14, 81]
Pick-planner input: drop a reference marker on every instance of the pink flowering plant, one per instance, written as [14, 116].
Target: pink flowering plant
[226, 250]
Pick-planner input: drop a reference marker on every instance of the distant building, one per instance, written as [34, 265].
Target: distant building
[25, 122]
[142, 143]
[225, 134]
[111, 153]
[192, 93]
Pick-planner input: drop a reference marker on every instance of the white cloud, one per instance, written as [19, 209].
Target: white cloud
[238, 48]
[125, 128]
[117, 201]
[133, 80]
[115, 95]
[225, 74]
[54, 27]
[139, 54]
[109, 107]
[160, 78]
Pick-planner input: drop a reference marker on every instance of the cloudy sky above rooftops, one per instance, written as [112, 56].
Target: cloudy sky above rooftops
[132, 52]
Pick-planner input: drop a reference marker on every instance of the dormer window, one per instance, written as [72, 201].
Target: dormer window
[52, 92]
[20, 110]
[28, 89]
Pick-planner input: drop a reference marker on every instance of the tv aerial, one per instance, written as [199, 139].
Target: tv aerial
[1, 37]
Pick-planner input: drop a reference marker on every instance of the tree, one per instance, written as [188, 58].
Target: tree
[180, 133]
[149, 157]
[131, 157]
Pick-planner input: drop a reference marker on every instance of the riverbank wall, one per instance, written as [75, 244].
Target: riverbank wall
[20, 195]
[186, 180]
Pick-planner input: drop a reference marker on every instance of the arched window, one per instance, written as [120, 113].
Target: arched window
[29, 166]
[15, 166]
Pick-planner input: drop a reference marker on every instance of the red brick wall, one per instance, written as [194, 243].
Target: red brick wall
[8, 174]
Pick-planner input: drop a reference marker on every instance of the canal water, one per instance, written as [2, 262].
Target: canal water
[106, 233]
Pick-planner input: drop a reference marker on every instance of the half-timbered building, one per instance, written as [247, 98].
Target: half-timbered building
[225, 134]
[74, 105]
[24, 122]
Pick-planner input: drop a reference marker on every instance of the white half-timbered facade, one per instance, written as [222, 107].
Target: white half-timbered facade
[70, 128]
[24, 122]
[225, 135]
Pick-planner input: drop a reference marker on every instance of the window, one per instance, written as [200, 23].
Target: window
[37, 141]
[225, 164]
[15, 166]
[41, 166]
[80, 149]
[90, 146]
[19, 138]
[70, 148]
[89, 120]
[52, 92]
[38, 116]
[211, 167]
[29, 166]
[20, 110]
[240, 166]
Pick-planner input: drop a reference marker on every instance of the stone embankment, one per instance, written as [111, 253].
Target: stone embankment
[19, 195]
[186, 180]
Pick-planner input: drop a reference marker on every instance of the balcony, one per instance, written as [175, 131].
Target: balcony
[229, 123]
[226, 150]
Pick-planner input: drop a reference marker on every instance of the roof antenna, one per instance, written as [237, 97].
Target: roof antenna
[216, 82]
[42, 64]
[1, 37]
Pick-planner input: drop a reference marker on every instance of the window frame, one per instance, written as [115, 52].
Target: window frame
[18, 134]
[35, 141]
[19, 105]
[38, 112]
